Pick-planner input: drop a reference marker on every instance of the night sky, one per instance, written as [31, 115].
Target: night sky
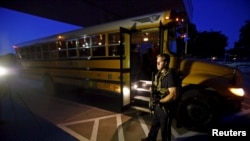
[17, 27]
[226, 16]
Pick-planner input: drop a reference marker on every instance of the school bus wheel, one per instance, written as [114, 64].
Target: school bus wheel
[198, 111]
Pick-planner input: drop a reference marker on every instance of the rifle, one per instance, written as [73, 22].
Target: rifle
[153, 96]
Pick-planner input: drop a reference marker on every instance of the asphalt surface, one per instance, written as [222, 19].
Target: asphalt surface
[19, 123]
[28, 114]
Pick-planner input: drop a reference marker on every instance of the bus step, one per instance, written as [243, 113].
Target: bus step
[141, 109]
[142, 98]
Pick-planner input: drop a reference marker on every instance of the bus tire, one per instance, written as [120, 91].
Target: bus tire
[49, 85]
[198, 110]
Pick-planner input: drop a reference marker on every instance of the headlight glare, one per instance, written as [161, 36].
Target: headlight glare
[237, 91]
[3, 71]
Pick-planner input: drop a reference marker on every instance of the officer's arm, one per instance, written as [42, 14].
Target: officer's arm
[171, 96]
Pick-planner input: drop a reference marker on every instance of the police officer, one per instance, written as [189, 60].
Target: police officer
[167, 84]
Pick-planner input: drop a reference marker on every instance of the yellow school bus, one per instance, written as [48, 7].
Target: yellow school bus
[117, 58]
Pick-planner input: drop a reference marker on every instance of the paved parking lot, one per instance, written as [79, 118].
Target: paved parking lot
[28, 113]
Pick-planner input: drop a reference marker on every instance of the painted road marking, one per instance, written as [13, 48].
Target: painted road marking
[119, 123]
[143, 125]
[73, 133]
[119, 126]
[94, 130]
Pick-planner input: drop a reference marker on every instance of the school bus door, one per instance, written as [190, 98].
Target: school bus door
[125, 66]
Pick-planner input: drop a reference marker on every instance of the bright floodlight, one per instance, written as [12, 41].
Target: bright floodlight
[3, 71]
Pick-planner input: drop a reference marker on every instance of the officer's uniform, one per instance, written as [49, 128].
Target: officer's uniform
[163, 112]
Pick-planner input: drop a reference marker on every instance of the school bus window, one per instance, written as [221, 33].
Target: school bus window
[32, 52]
[71, 44]
[98, 40]
[38, 52]
[22, 53]
[98, 51]
[84, 52]
[27, 52]
[52, 46]
[62, 53]
[18, 53]
[114, 38]
[53, 52]
[45, 48]
[114, 44]
[72, 52]
[61, 45]
[72, 48]
[113, 50]
[84, 42]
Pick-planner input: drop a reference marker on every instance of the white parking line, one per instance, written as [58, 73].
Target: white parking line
[143, 125]
[174, 131]
[119, 126]
[120, 130]
[73, 133]
[94, 131]
[88, 120]
[189, 134]
[146, 130]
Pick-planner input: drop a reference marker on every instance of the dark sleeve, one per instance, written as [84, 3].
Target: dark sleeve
[172, 79]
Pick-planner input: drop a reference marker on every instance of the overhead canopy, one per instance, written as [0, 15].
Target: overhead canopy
[91, 12]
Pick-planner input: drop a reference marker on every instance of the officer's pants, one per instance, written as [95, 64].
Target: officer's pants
[162, 119]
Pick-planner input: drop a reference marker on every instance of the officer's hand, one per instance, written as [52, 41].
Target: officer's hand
[156, 101]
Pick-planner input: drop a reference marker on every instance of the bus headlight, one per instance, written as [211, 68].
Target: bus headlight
[237, 91]
[3, 71]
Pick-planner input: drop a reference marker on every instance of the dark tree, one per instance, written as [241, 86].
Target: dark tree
[244, 39]
[192, 33]
[242, 46]
[208, 44]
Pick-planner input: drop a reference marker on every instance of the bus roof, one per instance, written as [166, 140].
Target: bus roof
[130, 23]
